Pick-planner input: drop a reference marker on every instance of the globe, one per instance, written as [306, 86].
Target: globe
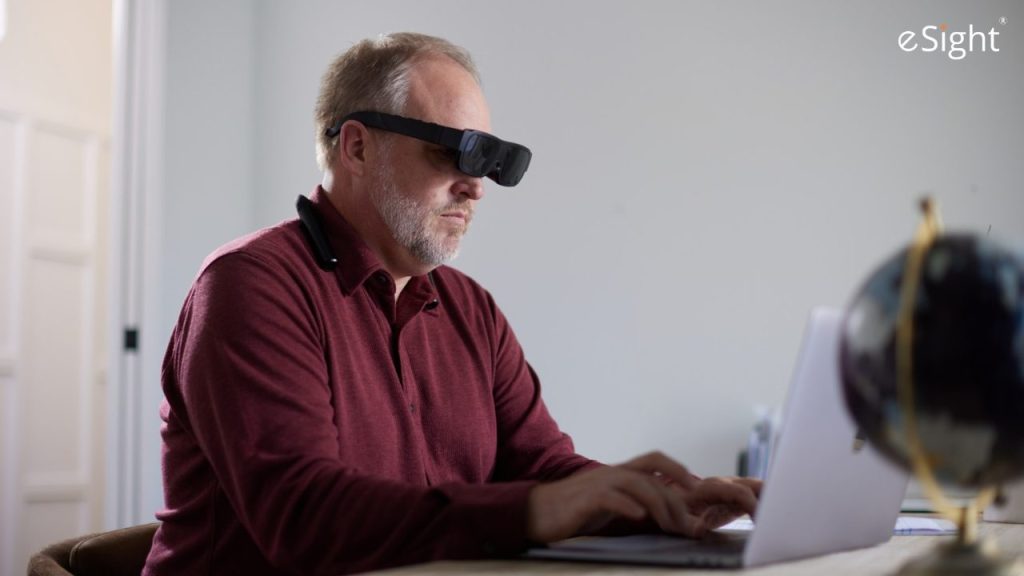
[931, 361]
[966, 398]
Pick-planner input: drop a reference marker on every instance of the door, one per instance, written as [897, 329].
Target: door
[56, 82]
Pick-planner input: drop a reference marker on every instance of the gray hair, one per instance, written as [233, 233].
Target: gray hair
[374, 75]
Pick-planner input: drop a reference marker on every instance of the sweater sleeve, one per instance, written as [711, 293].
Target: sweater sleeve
[530, 443]
[248, 381]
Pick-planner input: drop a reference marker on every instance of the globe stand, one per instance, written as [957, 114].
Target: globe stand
[967, 555]
[957, 559]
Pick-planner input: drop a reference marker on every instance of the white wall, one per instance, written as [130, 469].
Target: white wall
[704, 173]
[207, 180]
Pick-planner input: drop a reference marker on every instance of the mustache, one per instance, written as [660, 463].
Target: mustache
[463, 206]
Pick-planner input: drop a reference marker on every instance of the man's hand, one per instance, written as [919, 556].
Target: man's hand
[716, 501]
[652, 486]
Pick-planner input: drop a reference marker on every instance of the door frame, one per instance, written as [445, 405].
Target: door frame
[135, 248]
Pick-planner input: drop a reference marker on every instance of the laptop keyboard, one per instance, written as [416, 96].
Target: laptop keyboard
[717, 550]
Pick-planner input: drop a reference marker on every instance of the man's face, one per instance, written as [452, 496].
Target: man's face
[430, 229]
[416, 188]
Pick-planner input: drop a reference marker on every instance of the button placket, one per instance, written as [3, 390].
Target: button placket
[410, 395]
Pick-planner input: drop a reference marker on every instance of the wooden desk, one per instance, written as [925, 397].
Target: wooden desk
[881, 560]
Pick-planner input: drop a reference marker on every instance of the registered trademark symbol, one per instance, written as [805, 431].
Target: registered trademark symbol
[1002, 20]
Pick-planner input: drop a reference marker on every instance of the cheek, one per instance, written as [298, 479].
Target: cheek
[420, 181]
[428, 197]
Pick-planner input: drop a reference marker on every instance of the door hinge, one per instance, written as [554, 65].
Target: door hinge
[131, 339]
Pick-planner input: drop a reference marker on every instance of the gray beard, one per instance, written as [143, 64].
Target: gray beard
[409, 221]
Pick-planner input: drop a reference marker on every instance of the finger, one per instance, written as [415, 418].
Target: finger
[695, 527]
[754, 484]
[718, 491]
[677, 507]
[640, 489]
[659, 463]
[718, 516]
[664, 505]
[711, 518]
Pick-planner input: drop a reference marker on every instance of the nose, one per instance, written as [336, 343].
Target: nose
[469, 187]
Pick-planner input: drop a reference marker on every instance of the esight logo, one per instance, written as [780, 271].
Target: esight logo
[956, 45]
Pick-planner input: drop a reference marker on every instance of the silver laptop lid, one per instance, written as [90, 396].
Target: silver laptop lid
[825, 491]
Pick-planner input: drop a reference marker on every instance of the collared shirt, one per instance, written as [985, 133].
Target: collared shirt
[314, 425]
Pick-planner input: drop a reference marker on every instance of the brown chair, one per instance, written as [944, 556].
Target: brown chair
[116, 553]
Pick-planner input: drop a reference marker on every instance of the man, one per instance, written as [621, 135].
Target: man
[337, 400]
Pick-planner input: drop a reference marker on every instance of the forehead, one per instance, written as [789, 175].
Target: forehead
[443, 92]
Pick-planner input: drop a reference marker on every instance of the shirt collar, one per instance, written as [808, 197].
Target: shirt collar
[357, 262]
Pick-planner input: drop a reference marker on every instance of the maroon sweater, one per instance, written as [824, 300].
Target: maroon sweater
[314, 426]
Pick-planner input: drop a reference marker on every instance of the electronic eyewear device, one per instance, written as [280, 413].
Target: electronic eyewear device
[477, 153]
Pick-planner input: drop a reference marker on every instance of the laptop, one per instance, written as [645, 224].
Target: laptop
[826, 490]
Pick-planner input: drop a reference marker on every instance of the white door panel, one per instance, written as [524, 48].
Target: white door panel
[54, 182]
[52, 397]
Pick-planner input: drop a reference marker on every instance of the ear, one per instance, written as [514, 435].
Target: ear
[352, 145]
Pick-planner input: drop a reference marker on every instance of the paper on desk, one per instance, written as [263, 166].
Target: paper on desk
[915, 526]
[905, 526]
